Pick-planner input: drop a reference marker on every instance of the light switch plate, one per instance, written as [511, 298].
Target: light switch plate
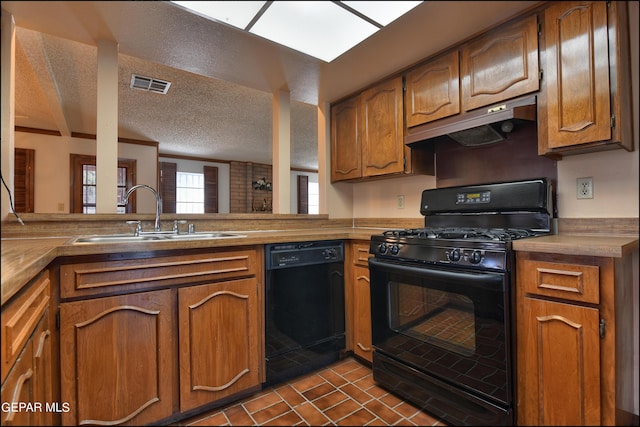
[584, 188]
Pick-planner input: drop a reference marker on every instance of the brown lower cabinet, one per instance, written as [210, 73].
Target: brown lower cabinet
[117, 358]
[574, 340]
[185, 332]
[26, 357]
[219, 349]
[359, 310]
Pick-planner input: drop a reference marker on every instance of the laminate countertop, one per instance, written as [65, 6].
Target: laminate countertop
[23, 259]
[589, 245]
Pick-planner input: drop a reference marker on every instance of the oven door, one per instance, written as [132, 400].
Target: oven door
[450, 325]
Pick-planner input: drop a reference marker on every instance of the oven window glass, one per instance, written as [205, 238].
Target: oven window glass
[441, 318]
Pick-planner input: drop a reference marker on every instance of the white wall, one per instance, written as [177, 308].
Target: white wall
[615, 185]
[379, 199]
[52, 169]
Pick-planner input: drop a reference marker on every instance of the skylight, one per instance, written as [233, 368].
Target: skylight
[322, 29]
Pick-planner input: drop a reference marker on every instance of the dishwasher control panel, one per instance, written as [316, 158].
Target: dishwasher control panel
[293, 254]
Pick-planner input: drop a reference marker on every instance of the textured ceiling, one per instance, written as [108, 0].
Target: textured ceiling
[219, 105]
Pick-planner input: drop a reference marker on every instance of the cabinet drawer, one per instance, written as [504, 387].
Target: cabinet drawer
[360, 254]
[103, 277]
[21, 317]
[575, 282]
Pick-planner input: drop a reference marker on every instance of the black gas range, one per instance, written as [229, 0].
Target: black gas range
[442, 304]
[471, 226]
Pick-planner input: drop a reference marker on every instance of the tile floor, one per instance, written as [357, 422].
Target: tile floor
[343, 393]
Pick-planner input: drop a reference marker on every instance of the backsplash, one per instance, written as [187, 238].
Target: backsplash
[516, 158]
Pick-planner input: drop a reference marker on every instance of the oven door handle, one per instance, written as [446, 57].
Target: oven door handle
[470, 278]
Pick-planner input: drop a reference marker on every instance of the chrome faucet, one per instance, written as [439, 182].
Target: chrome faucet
[158, 202]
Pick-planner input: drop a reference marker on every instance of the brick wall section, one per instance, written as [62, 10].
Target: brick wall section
[261, 200]
[237, 187]
[243, 198]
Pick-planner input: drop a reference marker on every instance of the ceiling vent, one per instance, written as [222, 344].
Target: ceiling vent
[149, 84]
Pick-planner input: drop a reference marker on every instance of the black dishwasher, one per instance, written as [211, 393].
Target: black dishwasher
[304, 307]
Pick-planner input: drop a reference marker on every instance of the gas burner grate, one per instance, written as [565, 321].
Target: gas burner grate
[461, 233]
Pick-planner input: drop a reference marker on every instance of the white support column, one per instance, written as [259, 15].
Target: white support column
[281, 152]
[107, 128]
[7, 91]
[324, 165]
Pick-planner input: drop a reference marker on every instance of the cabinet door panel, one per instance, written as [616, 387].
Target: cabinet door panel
[558, 364]
[577, 73]
[362, 345]
[433, 90]
[500, 65]
[117, 359]
[218, 341]
[381, 121]
[42, 370]
[345, 141]
[19, 388]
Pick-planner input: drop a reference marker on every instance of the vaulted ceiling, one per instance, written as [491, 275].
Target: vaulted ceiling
[219, 104]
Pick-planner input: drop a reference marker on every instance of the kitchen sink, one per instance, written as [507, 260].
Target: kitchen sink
[126, 238]
[203, 235]
[116, 238]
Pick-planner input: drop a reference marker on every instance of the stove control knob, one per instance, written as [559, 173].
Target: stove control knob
[395, 249]
[382, 248]
[454, 255]
[475, 257]
[330, 253]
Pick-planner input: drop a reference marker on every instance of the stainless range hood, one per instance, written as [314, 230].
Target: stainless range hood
[478, 127]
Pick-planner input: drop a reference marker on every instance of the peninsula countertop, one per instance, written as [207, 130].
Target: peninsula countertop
[24, 258]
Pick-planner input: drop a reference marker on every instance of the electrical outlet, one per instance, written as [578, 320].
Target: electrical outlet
[584, 188]
[400, 202]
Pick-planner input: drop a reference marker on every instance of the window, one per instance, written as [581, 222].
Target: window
[308, 196]
[314, 198]
[83, 184]
[185, 192]
[189, 192]
[89, 189]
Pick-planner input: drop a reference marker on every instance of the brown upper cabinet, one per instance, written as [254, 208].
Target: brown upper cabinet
[433, 90]
[346, 162]
[585, 99]
[500, 64]
[367, 136]
[381, 127]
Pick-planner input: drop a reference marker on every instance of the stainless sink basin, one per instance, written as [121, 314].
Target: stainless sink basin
[203, 235]
[116, 238]
[126, 238]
